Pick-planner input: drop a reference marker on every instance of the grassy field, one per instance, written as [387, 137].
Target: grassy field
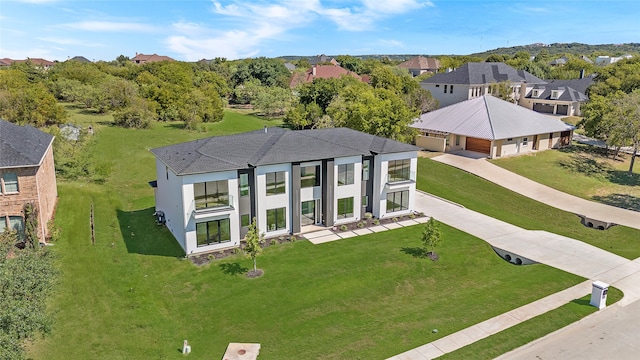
[485, 197]
[581, 171]
[131, 295]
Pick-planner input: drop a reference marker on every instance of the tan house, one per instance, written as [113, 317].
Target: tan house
[557, 97]
[37, 62]
[490, 126]
[27, 175]
[420, 65]
[143, 59]
[322, 72]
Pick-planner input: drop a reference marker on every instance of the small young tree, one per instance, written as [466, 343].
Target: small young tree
[31, 225]
[431, 236]
[253, 240]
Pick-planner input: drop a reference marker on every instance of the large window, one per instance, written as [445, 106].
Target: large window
[345, 174]
[244, 185]
[308, 212]
[3, 224]
[275, 183]
[211, 194]
[213, 232]
[245, 220]
[309, 176]
[399, 170]
[10, 182]
[397, 201]
[345, 208]
[276, 219]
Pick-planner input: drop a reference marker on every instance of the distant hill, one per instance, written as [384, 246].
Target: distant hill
[533, 49]
[567, 48]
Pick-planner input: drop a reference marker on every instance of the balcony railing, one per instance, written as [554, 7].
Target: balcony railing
[212, 204]
[401, 177]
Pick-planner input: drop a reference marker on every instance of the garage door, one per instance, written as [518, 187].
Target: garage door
[543, 108]
[478, 145]
[562, 110]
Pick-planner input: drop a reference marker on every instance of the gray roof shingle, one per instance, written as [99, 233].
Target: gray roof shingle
[22, 146]
[272, 146]
[574, 90]
[483, 73]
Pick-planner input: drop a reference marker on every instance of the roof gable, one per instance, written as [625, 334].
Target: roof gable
[421, 62]
[272, 146]
[22, 146]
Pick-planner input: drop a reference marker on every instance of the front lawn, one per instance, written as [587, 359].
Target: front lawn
[583, 171]
[490, 199]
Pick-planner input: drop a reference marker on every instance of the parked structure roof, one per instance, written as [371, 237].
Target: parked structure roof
[321, 72]
[489, 118]
[22, 146]
[477, 73]
[272, 146]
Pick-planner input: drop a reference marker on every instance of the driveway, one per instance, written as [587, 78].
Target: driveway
[542, 193]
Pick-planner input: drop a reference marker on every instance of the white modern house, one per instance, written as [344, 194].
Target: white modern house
[490, 126]
[210, 189]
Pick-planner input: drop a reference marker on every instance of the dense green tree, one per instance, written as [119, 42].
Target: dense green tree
[32, 104]
[351, 63]
[625, 117]
[270, 72]
[303, 116]
[497, 58]
[273, 101]
[137, 114]
[621, 76]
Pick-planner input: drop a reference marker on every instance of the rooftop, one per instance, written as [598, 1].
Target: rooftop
[22, 146]
[483, 73]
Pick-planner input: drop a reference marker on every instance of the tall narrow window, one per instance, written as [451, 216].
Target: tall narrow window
[445, 89]
[345, 174]
[244, 184]
[457, 140]
[451, 89]
[276, 219]
[365, 170]
[309, 176]
[345, 208]
[275, 183]
[3, 224]
[10, 182]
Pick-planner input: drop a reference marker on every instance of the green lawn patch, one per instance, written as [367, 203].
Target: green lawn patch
[532, 329]
[490, 199]
[583, 171]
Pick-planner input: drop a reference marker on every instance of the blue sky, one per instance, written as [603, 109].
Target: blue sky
[190, 30]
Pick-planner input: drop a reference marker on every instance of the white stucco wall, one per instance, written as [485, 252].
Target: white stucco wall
[265, 202]
[168, 200]
[353, 190]
[460, 93]
[381, 187]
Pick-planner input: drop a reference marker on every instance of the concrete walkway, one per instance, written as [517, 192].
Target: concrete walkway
[558, 251]
[542, 193]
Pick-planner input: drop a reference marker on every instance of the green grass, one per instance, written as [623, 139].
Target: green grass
[581, 171]
[488, 198]
[532, 329]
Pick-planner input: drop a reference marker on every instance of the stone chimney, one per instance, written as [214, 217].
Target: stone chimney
[313, 70]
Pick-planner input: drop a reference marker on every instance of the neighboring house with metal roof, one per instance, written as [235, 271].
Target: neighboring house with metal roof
[27, 175]
[208, 190]
[420, 65]
[473, 80]
[490, 126]
[557, 97]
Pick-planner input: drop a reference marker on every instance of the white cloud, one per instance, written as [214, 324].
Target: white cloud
[253, 23]
[69, 41]
[110, 26]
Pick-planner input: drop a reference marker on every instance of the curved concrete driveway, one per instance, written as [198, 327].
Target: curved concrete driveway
[542, 193]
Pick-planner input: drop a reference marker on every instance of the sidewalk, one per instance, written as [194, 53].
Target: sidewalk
[542, 193]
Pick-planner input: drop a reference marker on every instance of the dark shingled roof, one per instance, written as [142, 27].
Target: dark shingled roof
[483, 73]
[275, 146]
[22, 146]
[574, 90]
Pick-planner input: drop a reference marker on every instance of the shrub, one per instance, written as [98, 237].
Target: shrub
[395, 219]
[412, 216]
[343, 228]
[376, 222]
[360, 225]
[368, 215]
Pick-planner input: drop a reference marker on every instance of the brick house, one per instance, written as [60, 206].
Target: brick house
[27, 175]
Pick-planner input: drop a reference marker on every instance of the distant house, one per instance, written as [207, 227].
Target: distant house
[559, 62]
[80, 59]
[143, 59]
[321, 72]
[607, 60]
[420, 65]
[476, 79]
[289, 66]
[208, 190]
[557, 97]
[322, 59]
[27, 175]
[37, 62]
[490, 126]
[586, 59]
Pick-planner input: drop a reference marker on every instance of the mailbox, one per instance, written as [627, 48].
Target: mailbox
[599, 294]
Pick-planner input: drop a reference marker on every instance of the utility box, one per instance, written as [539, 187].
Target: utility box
[599, 294]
